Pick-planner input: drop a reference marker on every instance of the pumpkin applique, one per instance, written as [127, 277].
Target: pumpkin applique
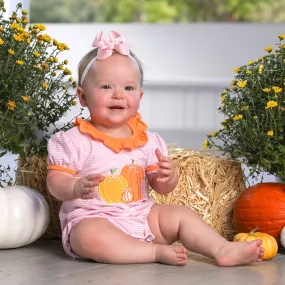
[269, 243]
[112, 187]
[127, 196]
[134, 175]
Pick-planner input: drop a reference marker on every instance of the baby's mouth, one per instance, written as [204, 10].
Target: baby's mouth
[116, 108]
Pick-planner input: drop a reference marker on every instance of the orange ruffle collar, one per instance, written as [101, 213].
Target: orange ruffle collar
[137, 139]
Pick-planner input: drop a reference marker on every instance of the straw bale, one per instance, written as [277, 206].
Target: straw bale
[208, 184]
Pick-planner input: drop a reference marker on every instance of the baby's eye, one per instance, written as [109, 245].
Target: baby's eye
[129, 88]
[105, 87]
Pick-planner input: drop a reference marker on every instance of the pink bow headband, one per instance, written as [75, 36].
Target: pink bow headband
[106, 48]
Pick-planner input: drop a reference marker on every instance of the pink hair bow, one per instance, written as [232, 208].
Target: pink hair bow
[116, 43]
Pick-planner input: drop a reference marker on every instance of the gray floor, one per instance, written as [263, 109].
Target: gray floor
[46, 263]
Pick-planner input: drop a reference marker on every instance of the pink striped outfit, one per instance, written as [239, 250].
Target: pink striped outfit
[122, 197]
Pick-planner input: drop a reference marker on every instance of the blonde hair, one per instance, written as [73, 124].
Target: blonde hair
[93, 53]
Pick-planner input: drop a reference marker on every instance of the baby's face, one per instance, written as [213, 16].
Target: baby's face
[113, 90]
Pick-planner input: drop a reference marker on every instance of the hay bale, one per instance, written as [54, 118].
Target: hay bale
[32, 172]
[209, 185]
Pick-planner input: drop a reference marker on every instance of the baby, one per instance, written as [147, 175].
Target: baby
[102, 168]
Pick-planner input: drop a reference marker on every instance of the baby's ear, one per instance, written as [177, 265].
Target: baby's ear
[141, 94]
[82, 97]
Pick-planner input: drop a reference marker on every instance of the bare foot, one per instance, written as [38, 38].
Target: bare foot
[171, 254]
[239, 253]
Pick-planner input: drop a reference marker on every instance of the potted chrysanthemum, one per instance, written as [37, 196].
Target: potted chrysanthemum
[36, 88]
[254, 111]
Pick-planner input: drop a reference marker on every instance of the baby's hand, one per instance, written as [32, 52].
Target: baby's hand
[84, 187]
[166, 170]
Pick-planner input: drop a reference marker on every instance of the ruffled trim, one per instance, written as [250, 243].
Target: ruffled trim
[137, 139]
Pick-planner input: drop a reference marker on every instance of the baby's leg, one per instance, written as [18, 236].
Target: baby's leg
[170, 223]
[98, 239]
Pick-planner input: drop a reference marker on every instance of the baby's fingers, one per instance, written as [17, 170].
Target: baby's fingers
[95, 177]
[88, 196]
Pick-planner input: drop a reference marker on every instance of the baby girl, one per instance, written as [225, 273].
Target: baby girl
[102, 169]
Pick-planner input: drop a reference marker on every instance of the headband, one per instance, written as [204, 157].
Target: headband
[106, 48]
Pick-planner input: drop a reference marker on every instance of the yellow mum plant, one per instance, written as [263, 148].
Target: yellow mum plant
[254, 111]
[36, 89]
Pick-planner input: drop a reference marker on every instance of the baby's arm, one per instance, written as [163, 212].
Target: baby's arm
[165, 179]
[65, 187]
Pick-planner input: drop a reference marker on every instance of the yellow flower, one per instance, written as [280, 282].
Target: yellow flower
[213, 134]
[46, 38]
[277, 89]
[18, 20]
[65, 61]
[249, 72]
[237, 70]
[270, 133]
[223, 97]
[70, 79]
[19, 62]
[250, 62]
[242, 84]
[14, 26]
[45, 85]
[28, 41]
[55, 42]
[260, 69]
[53, 73]
[42, 27]
[269, 49]
[244, 108]
[60, 67]
[271, 104]
[1, 42]
[281, 37]
[223, 105]
[17, 38]
[73, 103]
[26, 21]
[55, 59]
[11, 52]
[50, 59]
[25, 12]
[266, 90]
[11, 105]
[67, 71]
[36, 54]
[238, 117]
[74, 84]
[60, 46]
[26, 98]
[1, 29]
[205, 143]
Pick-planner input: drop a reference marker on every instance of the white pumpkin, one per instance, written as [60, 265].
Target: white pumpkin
[24, 216]
[282, 237]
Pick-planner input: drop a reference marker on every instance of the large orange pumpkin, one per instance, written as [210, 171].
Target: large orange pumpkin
[112, 188]
[262, 206]
[134, 175]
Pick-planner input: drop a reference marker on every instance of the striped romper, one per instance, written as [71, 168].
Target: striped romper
[122, 197]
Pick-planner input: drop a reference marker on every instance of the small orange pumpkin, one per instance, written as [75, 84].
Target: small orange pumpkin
[127, 196]
[112, 187]
[134, 175]
[261, 205]
[269, 243]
